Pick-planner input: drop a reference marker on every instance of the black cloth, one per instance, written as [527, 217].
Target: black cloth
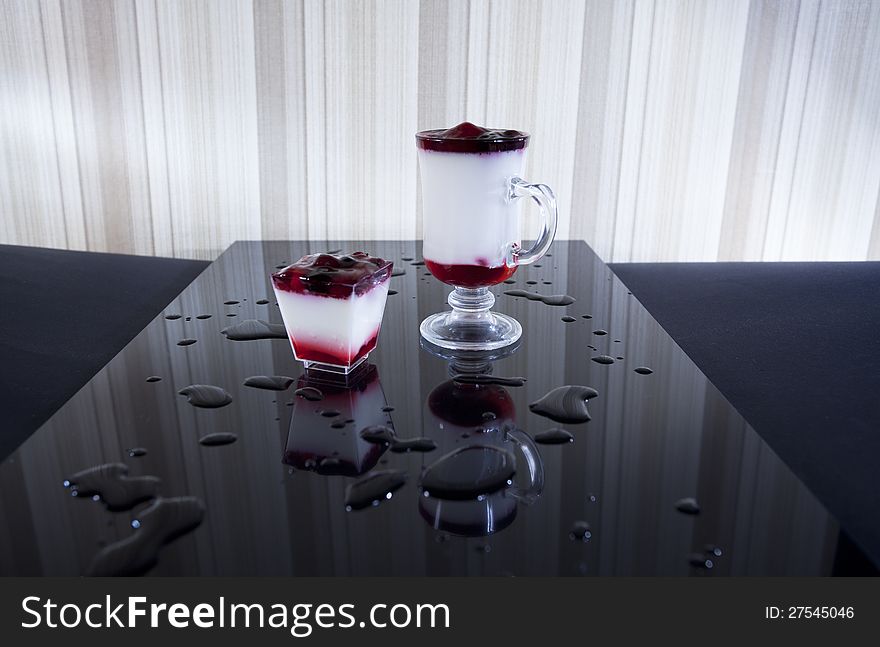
[795, 347]
[64, 316]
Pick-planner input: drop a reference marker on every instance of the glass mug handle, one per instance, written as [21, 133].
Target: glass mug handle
[546, 201]
[526, 445]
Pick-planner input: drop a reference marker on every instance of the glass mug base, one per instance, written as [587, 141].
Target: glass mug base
[471, 325]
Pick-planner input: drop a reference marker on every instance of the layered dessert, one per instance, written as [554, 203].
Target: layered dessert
[333, 445]
[332, 306]
[469, 222]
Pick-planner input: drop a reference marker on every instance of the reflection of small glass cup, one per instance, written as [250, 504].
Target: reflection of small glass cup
[332, 307]
[333, 445]
[471, 185]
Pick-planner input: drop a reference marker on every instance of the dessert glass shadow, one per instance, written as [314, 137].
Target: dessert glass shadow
[471, 190]
[324, 434]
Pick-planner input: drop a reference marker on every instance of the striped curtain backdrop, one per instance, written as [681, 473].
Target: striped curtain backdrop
[670, 129]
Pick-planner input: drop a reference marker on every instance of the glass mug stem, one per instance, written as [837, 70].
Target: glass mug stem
[471, 300]
[546, 200]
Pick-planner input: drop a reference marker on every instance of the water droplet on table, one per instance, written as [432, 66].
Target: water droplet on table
[373, 489]
[309, 393]
[161, 523]
[112, 484]
[400, 446]
[688, 505]
[254, 329]
[206, 396]
[565, 404]
[580, 531]
[218, 439]
[550, 300]
[554, 437]
[269, 382]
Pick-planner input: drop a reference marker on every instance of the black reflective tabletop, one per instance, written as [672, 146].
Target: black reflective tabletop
[405, 470]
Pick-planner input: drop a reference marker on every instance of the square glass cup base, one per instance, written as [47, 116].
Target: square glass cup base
[471, 325]
[335, 369]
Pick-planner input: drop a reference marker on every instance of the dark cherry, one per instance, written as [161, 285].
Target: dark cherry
[470, 138]
[333, 275]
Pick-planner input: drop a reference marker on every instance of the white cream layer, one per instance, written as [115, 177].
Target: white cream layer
[467, 217]
[339, 326]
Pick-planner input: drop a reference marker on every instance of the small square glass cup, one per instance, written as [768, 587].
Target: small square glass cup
[333, 325]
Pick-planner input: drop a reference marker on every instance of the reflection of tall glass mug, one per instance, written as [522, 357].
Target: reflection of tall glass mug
[471, 188]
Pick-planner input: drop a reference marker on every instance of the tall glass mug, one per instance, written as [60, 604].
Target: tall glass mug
[471, 190]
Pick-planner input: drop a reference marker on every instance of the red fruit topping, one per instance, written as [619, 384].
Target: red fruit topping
[333, 275]
[469, 138]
